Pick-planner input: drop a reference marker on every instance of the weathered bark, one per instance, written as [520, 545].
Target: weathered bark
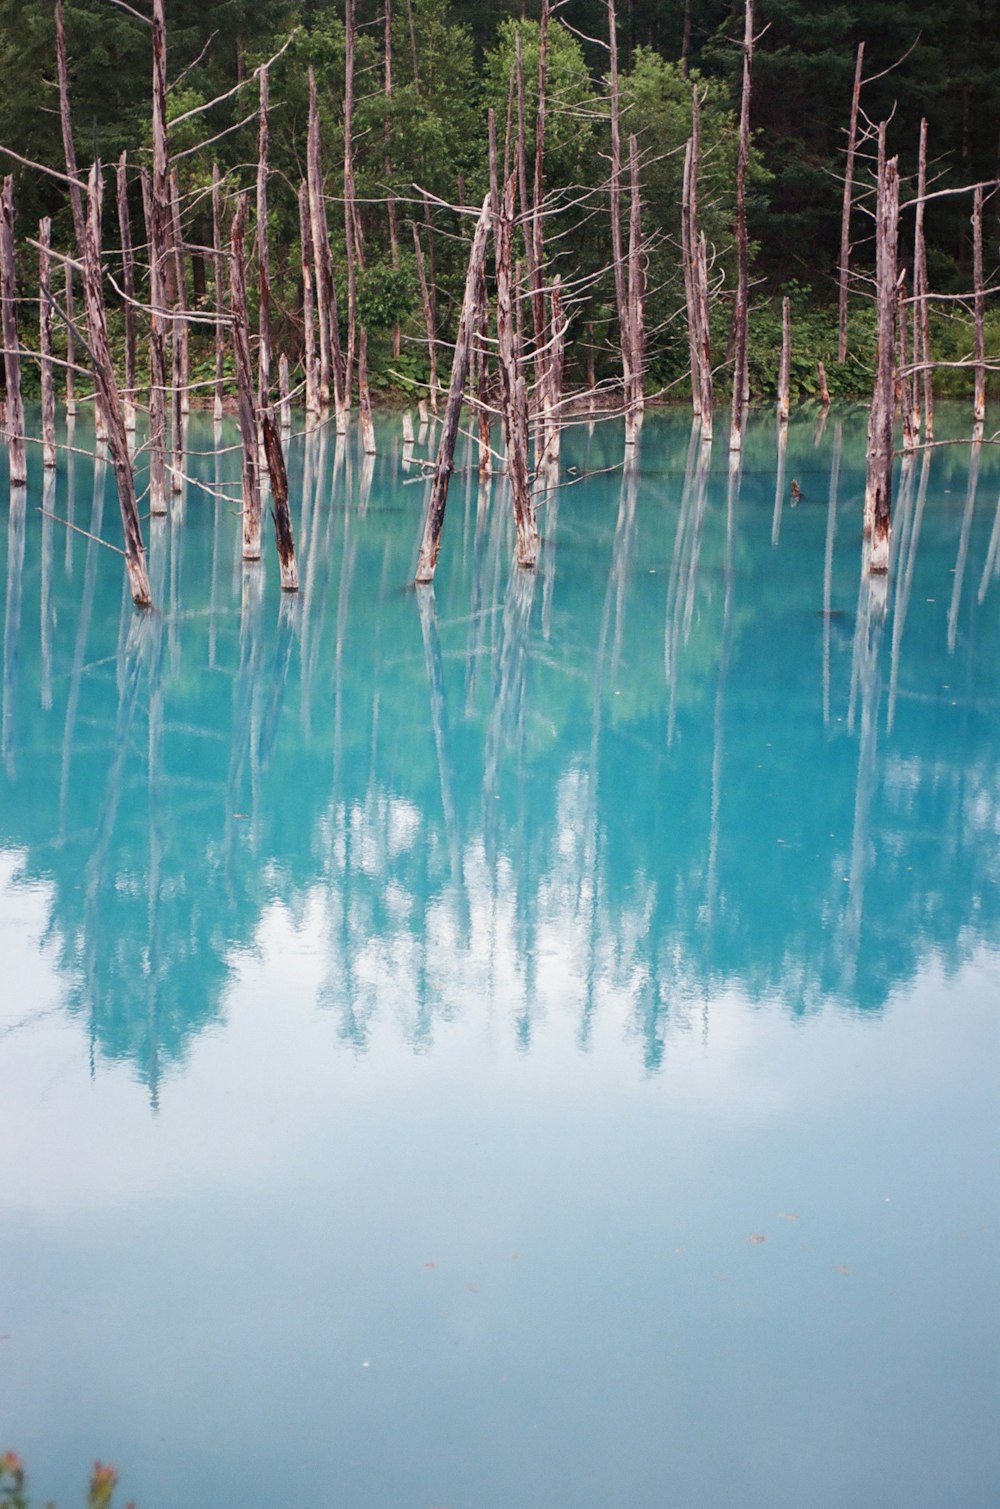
[617, 254]
[636, 299]
[66, 123]
[220, 302]
[263, 254]
[536, 264]
[128, 286]
[878, 486]
[704, 337]
[390, 199]
[905, 379]
[70, 343]
[12, 358]
[352, 227]
[284, 388]
[308, 324]
[283, 537]
[162, 212]
[45, 342]
[922, 348]
[157, 359]
[428, 308]
[180, 365]
[331, 375]
[824, 391]
[688, 263]
[979, 394]
[110, 401]
[845, 218]
[513, 394]
[554, 377]
[434, 518]
[245, 384]
[740, 312]
[785, 370]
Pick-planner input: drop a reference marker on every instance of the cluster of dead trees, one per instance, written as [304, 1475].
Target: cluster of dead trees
[507, 361]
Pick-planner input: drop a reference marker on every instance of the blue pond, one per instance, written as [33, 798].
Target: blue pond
[533, 1042]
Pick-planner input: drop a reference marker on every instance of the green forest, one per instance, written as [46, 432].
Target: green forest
[450, 63]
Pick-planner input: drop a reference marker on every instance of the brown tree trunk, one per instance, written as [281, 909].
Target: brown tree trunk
[741, 310]
[283, 537]
[617, 253]
[785, 370]
[70, 344]
[444, 466]
[922, 349]
[636, 299]
[220, 302]
[128, 286]
[263, 254]
[979, 394]
[308, 324]
[157, 359]
[107, 389]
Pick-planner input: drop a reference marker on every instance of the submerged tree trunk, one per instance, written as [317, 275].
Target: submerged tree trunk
[741, 311]
[283, 537]
[245, 384]
[108, 395]
[434, 519]
[45, 342]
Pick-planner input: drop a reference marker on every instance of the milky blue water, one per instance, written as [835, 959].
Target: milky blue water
[531, 1043]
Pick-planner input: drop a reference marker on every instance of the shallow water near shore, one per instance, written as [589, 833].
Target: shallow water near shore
[530, 1042]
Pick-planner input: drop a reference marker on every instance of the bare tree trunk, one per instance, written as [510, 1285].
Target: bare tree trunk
[824, 391]
[785, 371]
[536, 265]
[283, 537]
[107, 388]
[390, 202]
[554, 376]
[284, 388]
[636, 300]
[617, 254]
[128, 286]
[514, 404]
[845, 218]
[979, 397]
[70, 344]
[263, 255]
[12, 358]
[220, 303]
[434, 518]
[741, 310]
[878, 488]
[66, 123]
[922, 349]
[157, 359]
[45, 342]
[330, 355]
[905, 379]
[352, 229]
[308, 326]
[428, 317]
[245, 384]
[688, 242]
[179, 344]
[161, 163]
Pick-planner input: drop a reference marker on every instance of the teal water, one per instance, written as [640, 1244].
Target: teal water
[533, 1043]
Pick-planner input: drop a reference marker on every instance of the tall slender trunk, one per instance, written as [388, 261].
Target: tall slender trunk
[845, 218]
[636, 298]
[878, 488]
[12, 358]
[128, 287]
[220, 303]
[308, 323]
[741, 311]
[922, 348]
[617, 254]
[785, 370]
[283, 537]
[390, 198]
[263, 254]
[70, 343]
[157, 358]
[180, 366]
[514, 406]
[45, 342]
[245, 383]
[979, 396]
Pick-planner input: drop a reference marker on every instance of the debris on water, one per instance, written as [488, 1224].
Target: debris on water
[757, 1237]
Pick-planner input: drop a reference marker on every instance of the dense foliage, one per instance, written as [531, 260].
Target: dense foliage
[452, 62]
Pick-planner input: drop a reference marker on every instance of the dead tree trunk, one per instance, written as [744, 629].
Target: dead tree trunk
[390, 202]
[785, 370]
[12, 358]
[922, 348]
[220, 303]
[70, 343]
[688, 242]
[845, 217]
[283, 537]
[66, 124]
[162, 211]
[263, 255]
[331, 356]
[180, 366]
[434, 519]
[352, 233]
[878, 488]
[284, 388]
[428, 307]
[107, 390]
[513, 394]
[905, 379]
[636, 300]
[157, 358]
[245, 384]
[617, 254]
[128, 286]
[45, 342]
[741, 311]
[308, 325]
[554, 377]
[979, 305]
[824, 391]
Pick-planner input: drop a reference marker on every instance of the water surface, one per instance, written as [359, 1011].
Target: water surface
[528, 1043]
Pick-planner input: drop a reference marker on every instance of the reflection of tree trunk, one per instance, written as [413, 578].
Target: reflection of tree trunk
[683, 579]
[718, 725]
[831, 531]
[12, 624]
[779, 483]
[45, 607]
[963, 545]
[510, 678]
[83, 629]
[868, 684]
[909, 532]
[439, 720]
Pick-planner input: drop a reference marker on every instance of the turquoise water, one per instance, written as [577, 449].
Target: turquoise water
[533, 1043]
